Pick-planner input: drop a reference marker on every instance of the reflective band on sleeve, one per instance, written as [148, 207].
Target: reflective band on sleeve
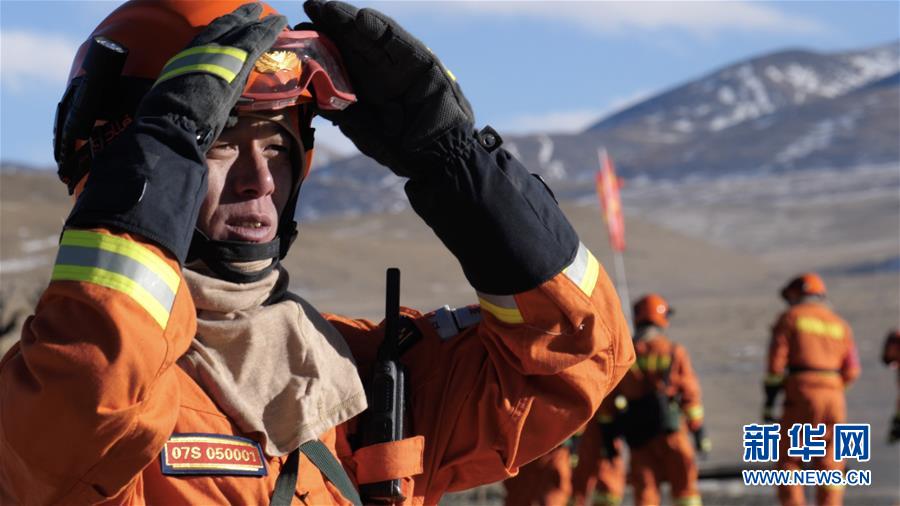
[121, 265]
[606, 499]
[583, 271]
[689, 501]
[694, 412]
[220, 61]
[773, 380]
[503, 307]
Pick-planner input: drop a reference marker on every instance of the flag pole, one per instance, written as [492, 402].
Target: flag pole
[611, 208]
[622, 287]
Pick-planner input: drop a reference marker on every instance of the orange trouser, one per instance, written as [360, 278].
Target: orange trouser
[809, 400]
[596, 471]
[667, 457]
[544, 482]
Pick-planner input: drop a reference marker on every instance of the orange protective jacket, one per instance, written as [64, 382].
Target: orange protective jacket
[91, 394]
[811, 345]
[655, 354]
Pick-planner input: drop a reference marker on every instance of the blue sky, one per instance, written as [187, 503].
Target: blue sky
[525, 66]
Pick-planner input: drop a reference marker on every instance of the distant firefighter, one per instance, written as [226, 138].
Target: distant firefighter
[891, 358]
[599, 477]
[546, 481]
[813, 358]
[658, 389]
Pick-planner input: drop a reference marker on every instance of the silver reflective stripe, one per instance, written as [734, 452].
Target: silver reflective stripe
[503, 301]
[577, 269]
[119, 264]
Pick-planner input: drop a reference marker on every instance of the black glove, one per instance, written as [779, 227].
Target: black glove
[407, 99]
[203, 98]
[502, 224]
[894, 434]
[151, 179]
[701, 442]
[771, 393]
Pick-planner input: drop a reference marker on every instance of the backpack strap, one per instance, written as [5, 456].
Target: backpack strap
[286, 484]
[325, 462]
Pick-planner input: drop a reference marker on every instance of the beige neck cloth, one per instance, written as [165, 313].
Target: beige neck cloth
[278, 369]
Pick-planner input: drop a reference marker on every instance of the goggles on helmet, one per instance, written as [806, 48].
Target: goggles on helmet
[302, 66]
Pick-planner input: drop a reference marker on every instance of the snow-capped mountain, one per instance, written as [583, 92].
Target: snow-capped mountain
[784, 111]
[754, 88]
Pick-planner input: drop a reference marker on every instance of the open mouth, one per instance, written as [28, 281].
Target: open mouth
[250, 229]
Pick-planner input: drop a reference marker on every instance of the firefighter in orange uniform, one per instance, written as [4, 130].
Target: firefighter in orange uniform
[813, 358]
[546, 481]
[891, 358]
[599, 477]
[167, 363]
[658, 389]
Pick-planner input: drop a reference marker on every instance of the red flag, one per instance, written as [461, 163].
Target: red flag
[611, 203]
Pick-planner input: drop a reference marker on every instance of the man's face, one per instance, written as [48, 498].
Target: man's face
[250, 179]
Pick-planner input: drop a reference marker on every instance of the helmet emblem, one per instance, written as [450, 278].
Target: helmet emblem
[276, 61]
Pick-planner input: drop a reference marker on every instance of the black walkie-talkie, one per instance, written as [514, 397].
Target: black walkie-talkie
[386, 392]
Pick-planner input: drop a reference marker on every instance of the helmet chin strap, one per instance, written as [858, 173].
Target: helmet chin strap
[222, 256]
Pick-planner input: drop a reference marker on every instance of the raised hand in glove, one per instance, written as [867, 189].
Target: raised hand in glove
[408, 101]
[151, 180]
[229, 47]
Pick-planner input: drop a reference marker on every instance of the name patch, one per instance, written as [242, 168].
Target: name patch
[205, 454]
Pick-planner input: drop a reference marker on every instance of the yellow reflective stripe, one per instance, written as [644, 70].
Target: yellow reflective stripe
[641, 362]
[694, 412]
[664, 362]
[221, 61]
[238, 53]
[116, 282]
[773, 380]
[122, 246]
[584, 270]
[216, 70]
[604, 418]
[689, 501]
[810, 325]
[505, 313]
[606, 499]
[652, 362]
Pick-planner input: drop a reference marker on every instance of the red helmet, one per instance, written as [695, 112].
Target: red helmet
[152, 31]
[122, 58]
[654, 309]
[805, 284]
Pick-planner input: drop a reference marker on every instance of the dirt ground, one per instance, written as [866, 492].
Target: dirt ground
[725, 294]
